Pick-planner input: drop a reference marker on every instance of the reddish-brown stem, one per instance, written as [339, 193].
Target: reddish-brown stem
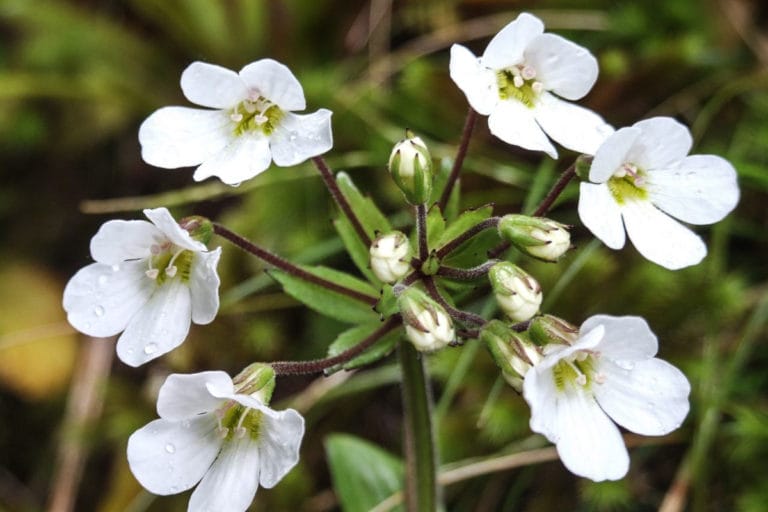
[456, 314]
[474, 230]
[341, 201]
[421, 231]
[466, 135]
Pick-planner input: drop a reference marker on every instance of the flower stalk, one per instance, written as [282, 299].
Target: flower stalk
[341, 201]
[466, 135]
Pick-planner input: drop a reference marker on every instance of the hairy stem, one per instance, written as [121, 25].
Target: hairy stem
[421, 231]
[456, 314]
[466, 274]
[466, 134]
[341, 201]
[469, 233]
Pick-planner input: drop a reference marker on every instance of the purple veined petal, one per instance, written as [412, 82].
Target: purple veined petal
[159, 326]
[183, 137]
[601, 214]
[232, 481]
[626, 338]
[168, 457]
[513, 122]
[507, 47]
[120, 240]
[100, 299]
[204, 286]
[212, 86]
[563, 67]
[279, 443]
[702, 189]
[300, 137]
[477, 82]
[184, 396]
[570, 125]
[650, 399]
[247, 156]
[662, 143]
[660, 238]
[612, 154]
[165, 222]
[275, 82]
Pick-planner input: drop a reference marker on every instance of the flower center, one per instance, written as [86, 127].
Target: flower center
[236, 421]
[168, 261]
[256, 114]
[519, 82]
[628, 183]
[578, 369]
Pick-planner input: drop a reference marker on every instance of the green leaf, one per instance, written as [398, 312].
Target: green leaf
[363, 474]
[441, 179]
[465, 221]
[366, 210]
[355, 335]
[435, 226]
[387, 305]
[356, 249]
[329, 302]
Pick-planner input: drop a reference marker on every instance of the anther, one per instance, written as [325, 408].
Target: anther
[528, 72]
[236, 117]
[518, 81]
[249, 107]
[152, 273]
[537, 87]
[171, 271]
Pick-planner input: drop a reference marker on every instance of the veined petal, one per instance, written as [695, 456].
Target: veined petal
[660, 238]
[626, 338]
[184, 396]
[572, 126]
[168, 457]
[663, 143]
[507, 47]
[279, 442]
[299, 137]
[513, 122]
[204, 286]
[563, 67]
[120, 240]
[702, 189]
[212, 86]
[601, 214]
[244, 158]
[650, 399]
[158, 327]
[612, 154]
[165, 222]
[275, 82]
[232, 481]
[477, 82]
[183, 137]
[101, 299]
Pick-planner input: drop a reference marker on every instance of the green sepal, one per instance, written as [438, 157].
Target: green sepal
[582, 166]
[387, 305]
[355, 335]
[495, 336]
[256, 378]
[199, 228]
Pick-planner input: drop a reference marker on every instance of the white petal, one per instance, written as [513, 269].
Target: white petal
[212, 86]
[612, 154]
[275, 82]
[701, 190]
[158, 327]
[204, 286]
[244, 158]
[660, 238]
[601, 214]
[183, 137]
[232, 481]
[663, 142]
[572, 126]
[513, 122]
[477, 82]
[165, 222]
[121, 240]
[184, 396]
[507, 47]
[563, 67]
[626, 338]
[588, 340]
[101, 299]
[542, 395]
[650, 399]
[299, 137]
[168, 457]
[279, 442]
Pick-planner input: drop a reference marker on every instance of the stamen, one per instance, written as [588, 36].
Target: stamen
[537, 87]
[236, 117]
[171, 271]
[152, 273]
[254, 95]
[249, 107]
[600, 378]
[528, 73]
[581, 379]
[155, 249]
[260, 118]
[240, 431]
[518, 81]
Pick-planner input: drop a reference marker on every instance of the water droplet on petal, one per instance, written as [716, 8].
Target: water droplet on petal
[150, 349]
[170, 448]
[115, 268]
[98, 310]
[103, 280]
[293, 136]
[174, 489]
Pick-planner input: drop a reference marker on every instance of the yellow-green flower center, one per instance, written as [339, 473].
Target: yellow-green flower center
[577, 370]
[628, 184]
[237, 421]
[256, 115]
[168, 262]
[519, 82]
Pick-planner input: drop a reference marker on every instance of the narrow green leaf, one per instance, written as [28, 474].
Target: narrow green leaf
[441, 179]
[355, 335]
[435, 226]
[356, 249]
[366, 210]
[465, 221]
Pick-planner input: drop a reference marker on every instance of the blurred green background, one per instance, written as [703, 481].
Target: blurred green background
[77, 77]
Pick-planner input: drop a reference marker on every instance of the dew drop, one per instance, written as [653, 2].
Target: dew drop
[88, 325]
[174, 489]
[293, 136]
[98, 310]
[103, 280]
[185, 424]
[150, 349]
[170, 448]
[115, 268]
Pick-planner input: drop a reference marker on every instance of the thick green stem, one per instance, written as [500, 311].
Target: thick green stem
[420, 453]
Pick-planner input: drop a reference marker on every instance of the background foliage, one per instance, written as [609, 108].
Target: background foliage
[78, 76]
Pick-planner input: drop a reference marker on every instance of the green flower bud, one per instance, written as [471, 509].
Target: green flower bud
[582, 166]
[541, 238]
[512, 351]
[427, 324]
[199, 228]
[547, 329]
[517, 293]
[391, 256]
[258, 380]
[411, 167]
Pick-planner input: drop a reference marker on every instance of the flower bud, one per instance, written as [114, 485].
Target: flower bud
[391, 256]
[411, 167]
[538, 237]
[517, 293]
[513, 352]
[582, 166]
[199, 228]
[547, 329]
[427, 324]
[257, 379]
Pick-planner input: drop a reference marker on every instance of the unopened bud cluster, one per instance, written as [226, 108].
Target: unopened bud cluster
[391, 256]
[427, 325]
[517, 293]
[541, 238]
[411, 167]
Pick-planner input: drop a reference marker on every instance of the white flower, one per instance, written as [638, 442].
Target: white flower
[514, 81]
[427, 325]
[641, 178]
[208, 433]
[391, 256]
[251, 123]
[608, 375]
[150, 280]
